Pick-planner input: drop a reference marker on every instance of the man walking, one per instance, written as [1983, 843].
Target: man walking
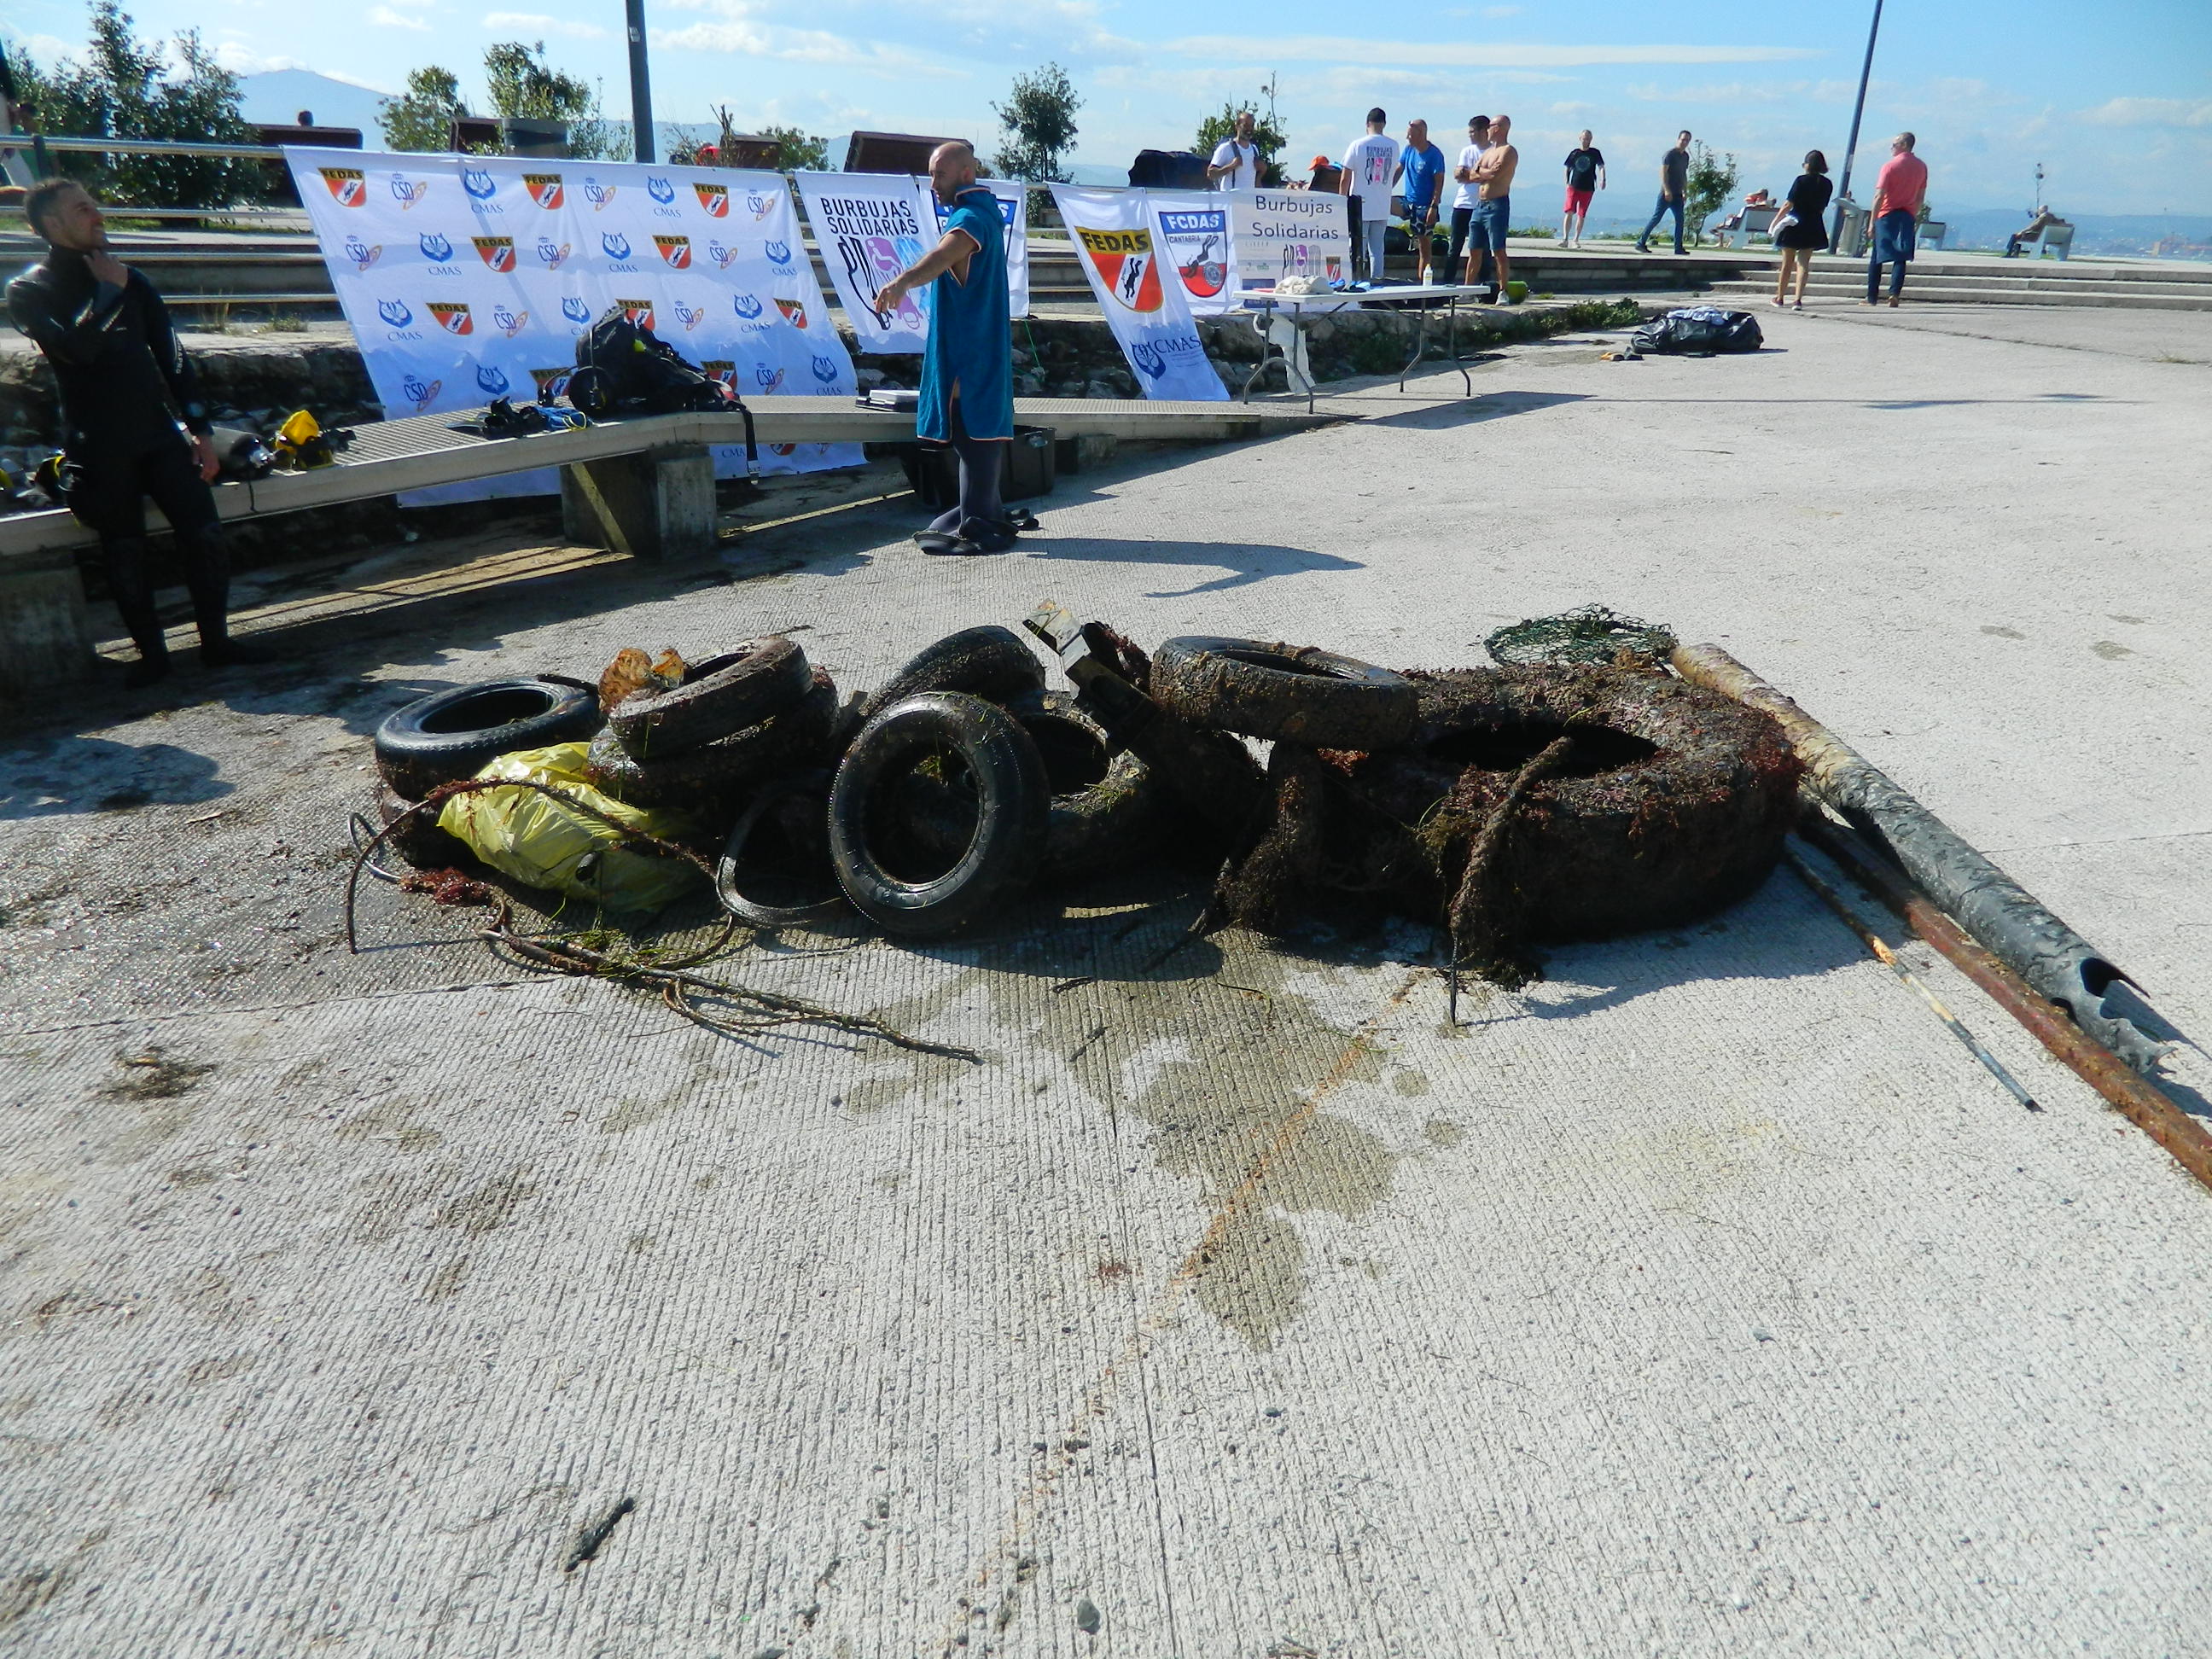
[968, 364]
[1236, 164]
[1674, 191]
[1898, 191]
[124, 384]
[1478, 140]
[1369, 162]
[1493, 205]
[1421, 182]
[1585, 178]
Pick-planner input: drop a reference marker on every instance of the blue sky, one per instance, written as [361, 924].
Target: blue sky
[2115, 100]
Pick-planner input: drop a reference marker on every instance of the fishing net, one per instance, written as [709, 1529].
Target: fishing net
[1593, 635]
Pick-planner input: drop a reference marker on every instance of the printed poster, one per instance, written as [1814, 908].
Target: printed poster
[1194, 226]
[1138, 287]
[1283, 232]
[467, 278]
[869, 226]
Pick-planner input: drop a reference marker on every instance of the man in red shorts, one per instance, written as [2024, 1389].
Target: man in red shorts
[1585, 178]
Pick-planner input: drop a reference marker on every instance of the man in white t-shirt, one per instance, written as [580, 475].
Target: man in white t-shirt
[1478, 140]
[1236, 164]
[1369, 162]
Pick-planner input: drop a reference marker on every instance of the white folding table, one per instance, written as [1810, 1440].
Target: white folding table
[1266, 307]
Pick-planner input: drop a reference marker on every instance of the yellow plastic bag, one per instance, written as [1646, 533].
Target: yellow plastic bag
[548, 843]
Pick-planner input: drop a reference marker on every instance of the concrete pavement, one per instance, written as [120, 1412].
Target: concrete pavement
[1703, 1298]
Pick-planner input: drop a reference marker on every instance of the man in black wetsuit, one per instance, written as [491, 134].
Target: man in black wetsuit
[124, 384]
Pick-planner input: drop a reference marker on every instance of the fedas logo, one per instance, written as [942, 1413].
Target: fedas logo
[637, 311]
[674, 252]
[543, 188]
[793, 312]
[715, 199]
[1198, 245]
[1126, 266]
[347, 185]
[362, 253]
[551, 382]
[598, 195]
[452, 316]
[722, 369]
[496, 251]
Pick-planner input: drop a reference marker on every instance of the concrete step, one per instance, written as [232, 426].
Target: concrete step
[1937, 293]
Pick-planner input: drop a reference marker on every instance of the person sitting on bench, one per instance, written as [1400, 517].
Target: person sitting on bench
[2044, 220]
[124, 384]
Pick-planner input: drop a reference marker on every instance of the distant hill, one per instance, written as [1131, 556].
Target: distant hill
[279, 95]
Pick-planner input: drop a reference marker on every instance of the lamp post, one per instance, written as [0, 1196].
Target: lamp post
[640, 86]
[1858, 109]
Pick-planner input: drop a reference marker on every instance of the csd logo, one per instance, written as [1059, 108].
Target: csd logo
[419, 392]
[408, 192]
[660, 190]
[598, 195]
[724, 257]
[436, 248]
[508, 322]
[493, 382]
[690, 316]
[616, 244]
[363, 255]
[747, 307]
[550, 254]
[575, 310]
[768, 379]
[479, 183]
[825, 369]
[758, 205]
[395, 312]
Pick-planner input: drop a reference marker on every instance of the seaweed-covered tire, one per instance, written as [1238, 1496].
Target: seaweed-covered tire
[709, 775]
[453, 734]
[779, 798]
[990, 662]
[876, 865]
[1299, 694]
[1673, 802]
[730, 693]
[1106, 803]
[419, 840]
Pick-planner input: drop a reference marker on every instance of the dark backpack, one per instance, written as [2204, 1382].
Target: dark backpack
[622, 368]
[1701, 331]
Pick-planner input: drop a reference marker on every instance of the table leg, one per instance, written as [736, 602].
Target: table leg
[1459, 358]
[1259, 322]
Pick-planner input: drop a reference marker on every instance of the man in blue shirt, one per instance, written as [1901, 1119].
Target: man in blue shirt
[968, 366]
[1421, 182]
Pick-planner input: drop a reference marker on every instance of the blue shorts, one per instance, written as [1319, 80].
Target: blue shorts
[1487, 228]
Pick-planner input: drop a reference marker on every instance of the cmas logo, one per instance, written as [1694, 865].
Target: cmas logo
[825, 370]
[408, 192]
[362, 254]
[492, 382]
[496, 251]
[637, 311]
[598, 195]
[395, 312]
[768, 379]
[674, 252]
[347, 185]
[1145, 358]
[615, 245]
[551, 382]
[437, 250]
[663, 193]
[452, 316]
[507, 321]
[479, 183]
[779, 255]
[724, 257]
[419, 391]
[793, 312]
[747, 307]
[714, 199]
[543, 188]
[575, 310]
[551, 254]
[690, 316]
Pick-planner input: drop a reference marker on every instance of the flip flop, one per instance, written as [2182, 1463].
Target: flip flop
[937, 541]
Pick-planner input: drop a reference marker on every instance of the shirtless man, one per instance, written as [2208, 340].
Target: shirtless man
[1493, 201]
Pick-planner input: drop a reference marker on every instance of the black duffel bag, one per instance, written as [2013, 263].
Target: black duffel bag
[1700, 332]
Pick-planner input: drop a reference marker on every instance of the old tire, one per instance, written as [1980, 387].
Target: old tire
[900, 886]
[778, 803]
[1674, 803]
[711, 775]
[990, 662]
[417, 841]
[1298, 694]
[729, 693]
[453, 734]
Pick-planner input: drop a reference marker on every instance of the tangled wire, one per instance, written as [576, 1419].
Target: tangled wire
[1593, 634]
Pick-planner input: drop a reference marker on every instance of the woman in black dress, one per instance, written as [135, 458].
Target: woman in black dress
[1799, 231]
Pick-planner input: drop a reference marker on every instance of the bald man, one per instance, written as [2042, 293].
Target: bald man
[968, 364]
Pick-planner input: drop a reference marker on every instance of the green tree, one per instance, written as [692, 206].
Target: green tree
[1266, 133]
[122, 89]
[1039, 121]
[422, 118]
[523, 86]
[1711, 182]
[796, 151]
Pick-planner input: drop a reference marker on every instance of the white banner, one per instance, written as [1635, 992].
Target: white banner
[869, 228]
[1288, 233]
[467, 278]
[1011, 194]
[1124, 257]
[1195, 227]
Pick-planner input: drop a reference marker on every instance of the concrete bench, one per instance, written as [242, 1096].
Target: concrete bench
[642, 486]
[1931, 233]
[1747, 222]
[2055, 239]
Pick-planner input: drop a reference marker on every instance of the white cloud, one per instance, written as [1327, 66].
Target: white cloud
[2152, 112]
[243, 60]
[45, 50]
[539, 23]
[384, 17]
[789, 46]
[1747, 92]
[1332, 48]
